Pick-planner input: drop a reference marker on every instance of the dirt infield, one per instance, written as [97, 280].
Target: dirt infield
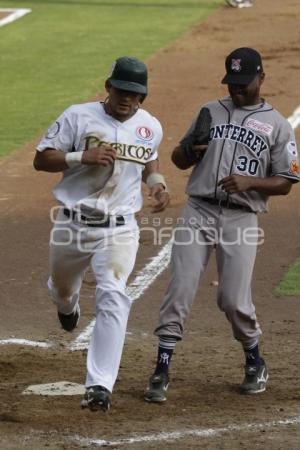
[208, 364]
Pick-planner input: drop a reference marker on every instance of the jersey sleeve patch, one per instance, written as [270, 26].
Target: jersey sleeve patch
[53, 130]
[294, 167]
[292, 148]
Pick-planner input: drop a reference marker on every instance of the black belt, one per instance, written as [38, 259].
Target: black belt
[226, 204]
[103, 222]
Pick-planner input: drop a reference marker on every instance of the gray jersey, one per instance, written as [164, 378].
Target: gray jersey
[254, 141]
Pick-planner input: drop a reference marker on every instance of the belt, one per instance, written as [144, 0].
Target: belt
[225, 204]
[103, 222]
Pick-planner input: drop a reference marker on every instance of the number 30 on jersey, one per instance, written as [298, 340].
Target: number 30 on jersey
[247, 165]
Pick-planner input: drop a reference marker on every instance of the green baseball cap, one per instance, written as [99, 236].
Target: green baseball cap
[129, 74]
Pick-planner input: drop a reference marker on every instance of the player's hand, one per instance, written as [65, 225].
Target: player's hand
[102, 155]
[159, 197]
[235, 184]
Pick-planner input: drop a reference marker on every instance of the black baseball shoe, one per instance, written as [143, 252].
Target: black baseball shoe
[69, 321]
[96, 398]
[256, 377]
[156, 391]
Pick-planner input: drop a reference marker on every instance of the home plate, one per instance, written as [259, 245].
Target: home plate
[59, 388]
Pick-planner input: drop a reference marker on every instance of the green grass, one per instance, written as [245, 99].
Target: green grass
[61, 53]
[290, 283]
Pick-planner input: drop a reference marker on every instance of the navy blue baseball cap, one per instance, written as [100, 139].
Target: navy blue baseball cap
[242, 66]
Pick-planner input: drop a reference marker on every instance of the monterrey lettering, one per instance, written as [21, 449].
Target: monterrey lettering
[241, 135]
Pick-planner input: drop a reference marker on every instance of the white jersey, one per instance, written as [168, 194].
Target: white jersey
[113, 190]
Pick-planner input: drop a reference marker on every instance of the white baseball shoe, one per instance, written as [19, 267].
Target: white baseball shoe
[240, 3]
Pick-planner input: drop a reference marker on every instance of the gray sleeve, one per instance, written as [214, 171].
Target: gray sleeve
[284, 155]
[60, 135]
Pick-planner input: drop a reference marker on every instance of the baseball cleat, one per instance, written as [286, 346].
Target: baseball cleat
[232, 3]
[156, 391]
[69, 321]
[245, 4]
[256, 378]
[96, 398]
[239, 3]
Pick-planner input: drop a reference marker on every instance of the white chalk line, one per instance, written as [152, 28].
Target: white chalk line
[15, 13]
[294, 119]
[26, 342]
[197, 432]
[143, 280]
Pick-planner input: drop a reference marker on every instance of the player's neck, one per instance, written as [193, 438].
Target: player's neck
[257, 103]
[120, 117]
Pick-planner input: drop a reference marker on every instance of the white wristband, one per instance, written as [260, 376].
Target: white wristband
[156, 178]
[73, 159]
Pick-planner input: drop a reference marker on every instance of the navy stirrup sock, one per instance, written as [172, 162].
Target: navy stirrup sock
[252, 356]
[164, 355]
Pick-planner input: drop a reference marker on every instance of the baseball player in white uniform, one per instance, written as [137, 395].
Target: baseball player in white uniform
[104, 150]
[250, 154]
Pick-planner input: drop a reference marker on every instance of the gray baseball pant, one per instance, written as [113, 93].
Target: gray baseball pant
[235, 235]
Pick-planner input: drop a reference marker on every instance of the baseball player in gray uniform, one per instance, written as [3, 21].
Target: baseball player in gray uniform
[250, 154]
[104, 150]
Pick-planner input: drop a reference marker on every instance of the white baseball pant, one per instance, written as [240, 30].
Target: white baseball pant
[111, 252]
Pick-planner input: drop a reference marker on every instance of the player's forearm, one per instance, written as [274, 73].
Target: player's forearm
[152, 177]
[50, 161]
[150, 167]
[271, 186]
[180, 159]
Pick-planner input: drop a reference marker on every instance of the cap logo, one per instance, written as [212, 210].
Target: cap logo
[236, 65]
